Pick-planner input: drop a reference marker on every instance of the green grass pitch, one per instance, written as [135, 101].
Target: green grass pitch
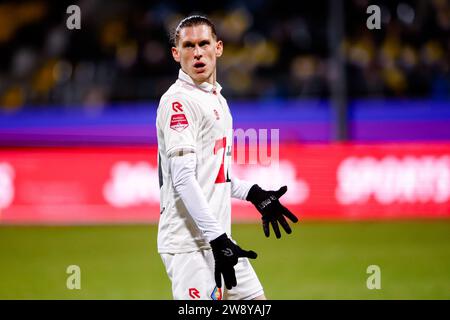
[317, 261]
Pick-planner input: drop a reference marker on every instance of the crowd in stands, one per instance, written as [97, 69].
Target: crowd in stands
[272, 51]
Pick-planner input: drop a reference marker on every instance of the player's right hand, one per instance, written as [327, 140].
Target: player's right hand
[226, 255]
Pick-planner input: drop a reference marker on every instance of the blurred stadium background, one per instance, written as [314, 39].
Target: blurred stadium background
[364, 130]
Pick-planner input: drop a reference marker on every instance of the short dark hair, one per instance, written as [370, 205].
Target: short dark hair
[191, 21]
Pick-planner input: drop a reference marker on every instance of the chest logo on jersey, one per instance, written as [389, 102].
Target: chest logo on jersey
[177, 107]
[178, 122]
[216, 113]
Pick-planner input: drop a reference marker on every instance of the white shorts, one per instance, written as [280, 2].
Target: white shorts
[192, 276]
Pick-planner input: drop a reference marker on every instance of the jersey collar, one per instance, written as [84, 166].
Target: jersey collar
[205, 86]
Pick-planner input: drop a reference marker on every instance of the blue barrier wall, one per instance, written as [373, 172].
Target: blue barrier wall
[298, 120]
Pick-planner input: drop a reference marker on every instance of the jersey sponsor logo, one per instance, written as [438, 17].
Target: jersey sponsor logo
[178, 122]
[177, 107]
[216, 294]
[194, 293]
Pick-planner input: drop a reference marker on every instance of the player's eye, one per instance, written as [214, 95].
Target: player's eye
[204, 43]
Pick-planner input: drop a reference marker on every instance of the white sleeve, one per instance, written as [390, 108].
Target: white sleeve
[240, 188]
[184, 181]
[179, 119]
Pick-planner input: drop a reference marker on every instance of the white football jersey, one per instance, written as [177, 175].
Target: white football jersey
[193, 117]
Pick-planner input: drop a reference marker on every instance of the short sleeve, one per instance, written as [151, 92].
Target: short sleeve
[179, 123]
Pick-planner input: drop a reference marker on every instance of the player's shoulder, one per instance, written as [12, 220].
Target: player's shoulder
[179, 94]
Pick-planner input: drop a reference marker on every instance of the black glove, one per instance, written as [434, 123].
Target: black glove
[271, 209]
[226, 255]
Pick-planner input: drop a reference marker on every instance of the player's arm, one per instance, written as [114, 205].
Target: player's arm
[226, 253]
[240, 188]
[182, 169]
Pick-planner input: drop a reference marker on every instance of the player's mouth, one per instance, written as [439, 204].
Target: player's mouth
[199, 67]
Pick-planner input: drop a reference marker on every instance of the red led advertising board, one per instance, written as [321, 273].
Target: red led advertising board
[109, 185]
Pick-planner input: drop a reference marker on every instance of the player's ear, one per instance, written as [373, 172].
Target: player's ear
[219, 48]
[175, 54]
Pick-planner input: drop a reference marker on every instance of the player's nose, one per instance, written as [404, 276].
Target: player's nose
[197, 52]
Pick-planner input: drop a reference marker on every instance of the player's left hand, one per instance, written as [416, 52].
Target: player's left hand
[272, 211]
